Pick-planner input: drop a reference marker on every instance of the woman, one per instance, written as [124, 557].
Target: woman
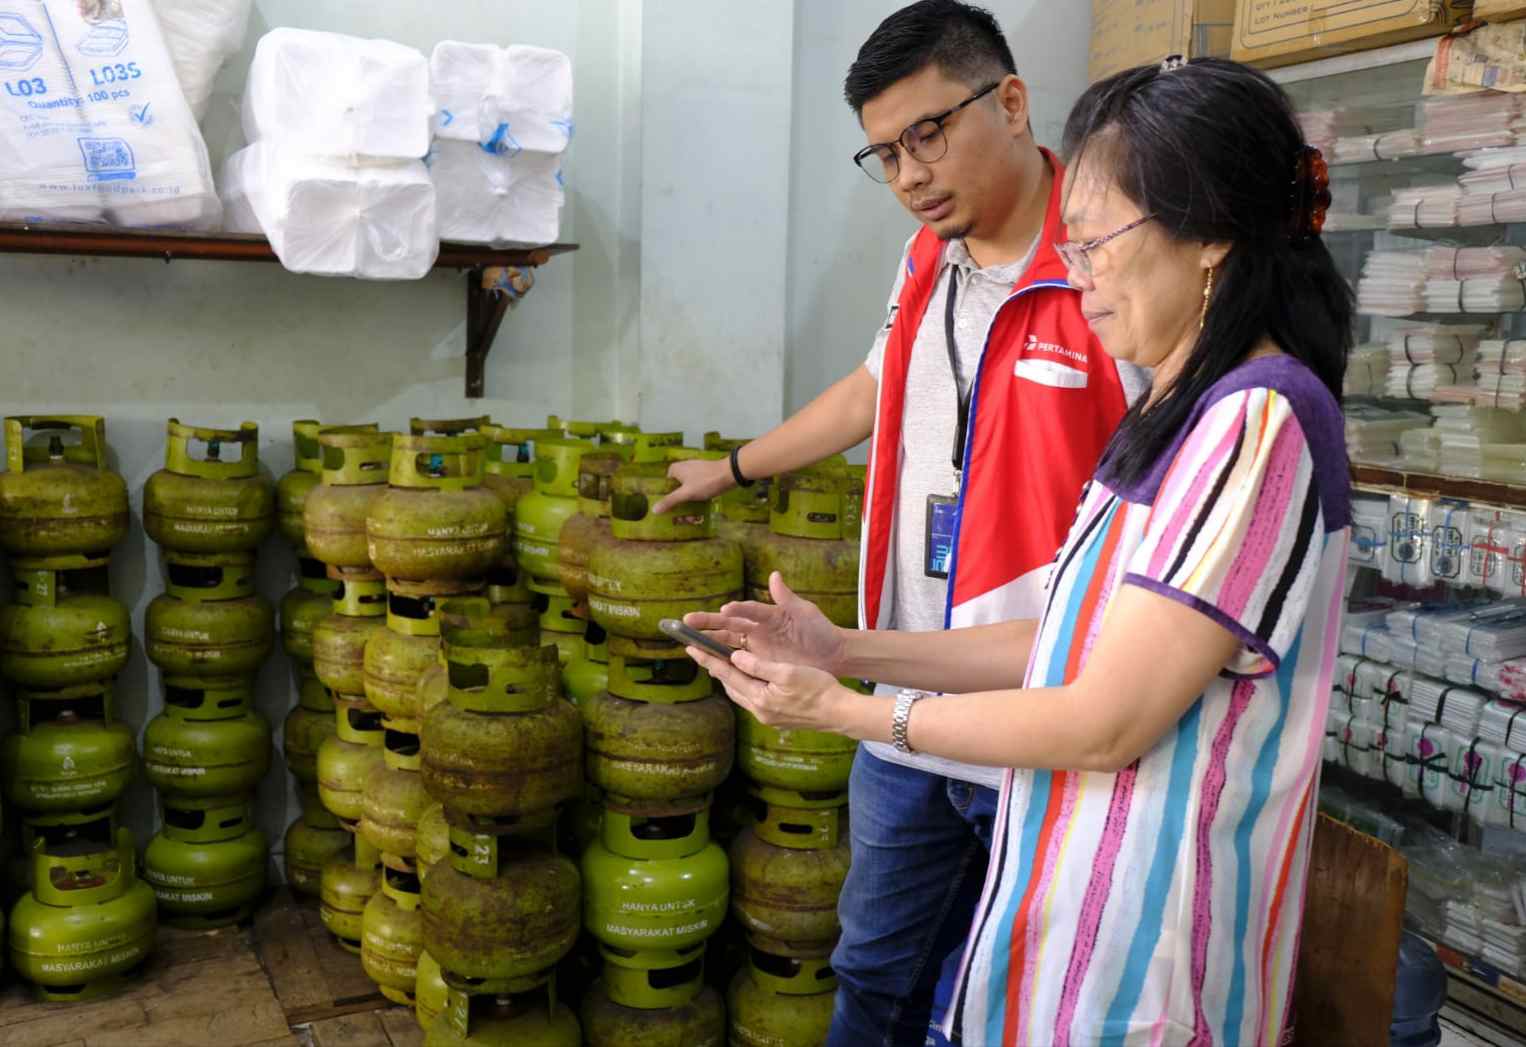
[1147, 876]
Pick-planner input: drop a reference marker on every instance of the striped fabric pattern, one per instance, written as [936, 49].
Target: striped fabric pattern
[1161, 904]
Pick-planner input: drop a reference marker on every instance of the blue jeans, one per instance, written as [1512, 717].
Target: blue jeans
[921, 843]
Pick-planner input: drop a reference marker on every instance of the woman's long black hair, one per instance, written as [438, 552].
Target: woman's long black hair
[1212, 149]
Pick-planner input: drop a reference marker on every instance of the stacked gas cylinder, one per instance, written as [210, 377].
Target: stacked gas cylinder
[315, 837]
[501, 755]
[788, 868]
[84, 920]
[208, 633]
[659, 741]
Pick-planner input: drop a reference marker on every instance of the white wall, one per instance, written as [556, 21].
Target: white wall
[733, 263]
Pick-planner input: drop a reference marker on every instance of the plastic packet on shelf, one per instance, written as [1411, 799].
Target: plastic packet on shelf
[491, 199]
[93, 124]
[1409, 541]
[327, 94]
[1432, 749]
[202, 35]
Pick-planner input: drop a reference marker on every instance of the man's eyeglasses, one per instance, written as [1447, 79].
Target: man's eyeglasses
[924, 140]
[1077, 253]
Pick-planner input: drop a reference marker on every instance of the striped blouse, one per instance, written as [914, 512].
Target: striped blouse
[1161, 904]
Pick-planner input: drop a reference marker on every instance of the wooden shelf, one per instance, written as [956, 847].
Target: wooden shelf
[485, 305]
[1488, 492]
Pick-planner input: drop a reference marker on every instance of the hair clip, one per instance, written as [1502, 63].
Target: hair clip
[1172, 63]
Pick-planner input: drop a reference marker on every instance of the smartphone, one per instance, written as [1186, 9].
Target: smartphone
[683, 634]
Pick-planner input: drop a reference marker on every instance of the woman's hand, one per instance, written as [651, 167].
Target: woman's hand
[780, 694]
[788, 630]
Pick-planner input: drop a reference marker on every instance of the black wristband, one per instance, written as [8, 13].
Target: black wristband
[736, 470]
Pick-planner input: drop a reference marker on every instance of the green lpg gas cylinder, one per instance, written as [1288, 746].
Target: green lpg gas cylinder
[503, 1021]
[58, 496]
[504, 746]
[539, 515]
[500, 908]
[394, 800]
[653, 999]
[392, 931]
[210, 622]
[654, 881]
[431, 839]
[312, 841]
[302, 739]
[787, 870]
[589, 525]
[449, 426]
[207, 742]
[811, 544]
[398, 656]
[781, 1001]
[294, 487]
[356, 460]
[657, 566]
[790, 758]
[347, 760]
[207, 500]
[88, 920]
[63, 629]
[339, 641]
[69, 751]
[305, 606]
[587, 674]
[561, 622]
[659, 733]
[436, 520]
[207, 865]
[347, 884]
[430, 992]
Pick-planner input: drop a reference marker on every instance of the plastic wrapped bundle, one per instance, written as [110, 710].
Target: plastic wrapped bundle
[1369, 531]
[493, 199]
[1364, 628]
[1461, 263]
[509, 100]
[1472, 774]
[1480, 294]
[94, 126]
[1435, 344]
[334, 217]
[1420, 450]
[1491, 208]
[1432, 701]
[1489, 533]
[1493, 632]
[1454, 123]
[1475, 441]
[1367, 370]
[1510, 789]
[1409, 541]
[1392, 283]
[1504, 724]
[1424, 207]
[1506, 679]
[202, 35]
[326, 94]
[1390, 145]
[1373, 432]
[1393, 741]
[1358, 750]
[1433, 748]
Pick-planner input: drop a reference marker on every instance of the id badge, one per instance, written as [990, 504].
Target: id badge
[941, 513]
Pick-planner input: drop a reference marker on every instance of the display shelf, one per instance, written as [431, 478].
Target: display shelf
[1403, 166]
[1488, 492]
[485, 303]
[1485, 988]
[1460, 235]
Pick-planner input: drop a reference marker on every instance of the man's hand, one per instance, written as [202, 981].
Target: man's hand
[699, 480]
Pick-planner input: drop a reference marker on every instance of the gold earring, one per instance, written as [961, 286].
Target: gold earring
[1207, 294]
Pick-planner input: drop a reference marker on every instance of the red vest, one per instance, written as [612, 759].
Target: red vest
[1046, 399]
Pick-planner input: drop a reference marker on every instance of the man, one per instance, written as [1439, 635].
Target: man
[989, 402]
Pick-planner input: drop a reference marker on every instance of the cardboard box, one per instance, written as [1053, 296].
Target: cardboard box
[1126, 33]
[1281, 32]
[1499, 10]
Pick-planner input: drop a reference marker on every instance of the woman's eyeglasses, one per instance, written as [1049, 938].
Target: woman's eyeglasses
[1077, 253]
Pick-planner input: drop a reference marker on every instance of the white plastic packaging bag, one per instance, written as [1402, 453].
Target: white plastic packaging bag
[326, 94]
[375, 220]
[201, 36]
[502, 200]
[509, 100]
[93, 123]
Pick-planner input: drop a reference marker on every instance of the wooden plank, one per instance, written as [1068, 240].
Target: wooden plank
[285, 947]
[1348, 958]
[227, 1002]
[177, 946]
[402, 1027]
[352, 1030]
[1483, 492]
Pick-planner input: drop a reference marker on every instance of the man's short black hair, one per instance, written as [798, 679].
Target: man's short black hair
[962, 40]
